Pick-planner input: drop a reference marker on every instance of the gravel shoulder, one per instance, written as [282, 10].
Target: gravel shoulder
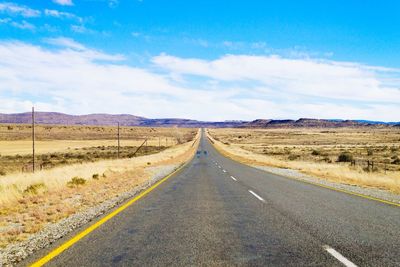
[294, 174]
[15, 253]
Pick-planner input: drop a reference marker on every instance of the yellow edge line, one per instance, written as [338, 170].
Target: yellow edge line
[91, 228]
[324, 186]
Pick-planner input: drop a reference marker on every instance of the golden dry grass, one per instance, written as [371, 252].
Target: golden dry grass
[61, 145]
[250, 149]
[73, 132]
[23, 147]
[30, 200]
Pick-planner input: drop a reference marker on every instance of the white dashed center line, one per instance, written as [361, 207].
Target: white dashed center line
[339, 257]
[233, 178]
[257, 196]
[223, 170]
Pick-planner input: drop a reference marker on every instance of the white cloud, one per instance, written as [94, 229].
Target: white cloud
[81, 29]
[64, 2]
[297, 77]
[75, 79]
[15, 9]
[24, 25]
[61, 15]
[66, 42]
[113, 3]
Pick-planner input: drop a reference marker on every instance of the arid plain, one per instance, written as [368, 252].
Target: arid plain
[363, 156]
[77, 167]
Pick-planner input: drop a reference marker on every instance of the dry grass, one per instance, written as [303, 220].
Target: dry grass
[295, 149]
[62, 145]
[30, 200]
[24, 147]
[60, 132]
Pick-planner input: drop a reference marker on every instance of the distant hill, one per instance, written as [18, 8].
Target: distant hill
[131, 120]
[108, 119]
[65, 119]
[308, 123]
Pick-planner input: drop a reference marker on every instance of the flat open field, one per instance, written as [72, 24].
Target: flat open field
[74, 174]
[63, 145]
[323, 152]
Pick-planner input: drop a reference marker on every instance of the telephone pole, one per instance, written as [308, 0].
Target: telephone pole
[33, 139]
[118, 141]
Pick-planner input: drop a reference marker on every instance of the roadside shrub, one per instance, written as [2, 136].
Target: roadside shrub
[2, 172]
[148, 163]
[370, 152]
[34, 189]
[327, 160]
[76, 181]
[95, 176]
[345, 157]
[293, 157]
[315, 152]
[396, 160]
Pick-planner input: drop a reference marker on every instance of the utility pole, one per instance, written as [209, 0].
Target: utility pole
[118, 141]
[33, 139]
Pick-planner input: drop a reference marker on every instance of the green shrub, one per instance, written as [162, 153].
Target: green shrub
[370, 152]
[34, 188]
[345, 157]
[76, 181]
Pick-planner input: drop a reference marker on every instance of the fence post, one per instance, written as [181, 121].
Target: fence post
[118, 141]
[33, 139]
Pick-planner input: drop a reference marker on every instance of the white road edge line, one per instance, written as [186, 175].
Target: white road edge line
[257, 196]
[339, 257]
[233, 178]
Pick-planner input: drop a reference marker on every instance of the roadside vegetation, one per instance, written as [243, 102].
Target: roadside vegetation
[366, 157]
[74, 179]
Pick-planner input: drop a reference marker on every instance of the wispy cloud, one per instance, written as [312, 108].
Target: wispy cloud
[62, 15]
[113, 3]
[65, 42]
[81, 29]
[64, 2]
[24, 25]
[71, 77]
[16, 9]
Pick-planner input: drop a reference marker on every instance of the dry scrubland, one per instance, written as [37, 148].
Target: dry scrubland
[339, 154]
[64, 145]
[90, 175]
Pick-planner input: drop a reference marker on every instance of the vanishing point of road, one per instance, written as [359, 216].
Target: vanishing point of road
[218, 212]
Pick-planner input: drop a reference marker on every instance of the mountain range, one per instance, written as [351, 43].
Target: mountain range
[131, 120]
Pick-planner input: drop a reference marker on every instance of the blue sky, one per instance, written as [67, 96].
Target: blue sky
[211, 60]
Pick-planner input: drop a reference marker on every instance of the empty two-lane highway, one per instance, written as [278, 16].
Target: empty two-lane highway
[219, 212]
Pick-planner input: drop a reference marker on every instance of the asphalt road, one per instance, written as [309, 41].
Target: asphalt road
[220, 212]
